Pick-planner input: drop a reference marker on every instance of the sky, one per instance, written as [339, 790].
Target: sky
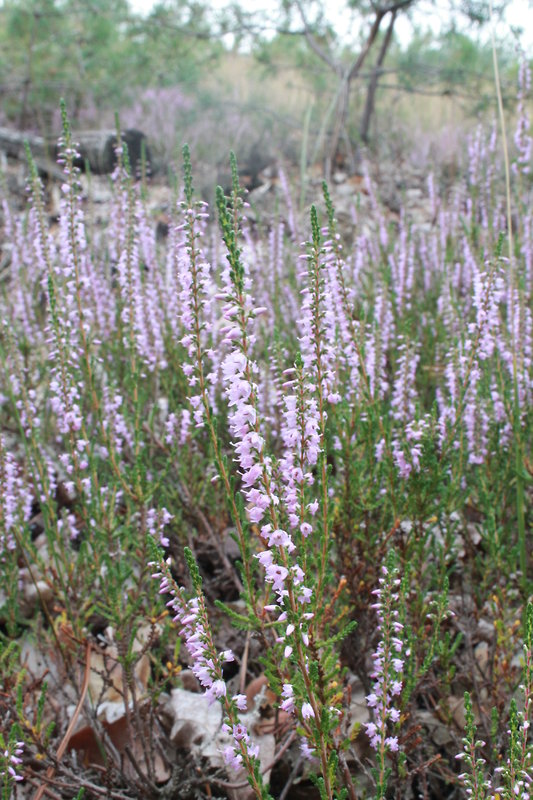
[519, 14]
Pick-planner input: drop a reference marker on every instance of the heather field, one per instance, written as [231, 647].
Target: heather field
[266, 489]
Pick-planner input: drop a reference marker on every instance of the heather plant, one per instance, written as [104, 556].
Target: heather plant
[323, 446]
[9, 761]
[163, 113]
[387, 675]
[514, 778]
[304, 666]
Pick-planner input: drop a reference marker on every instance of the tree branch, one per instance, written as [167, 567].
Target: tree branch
[373, 84]
[313, 43]
[360, 60]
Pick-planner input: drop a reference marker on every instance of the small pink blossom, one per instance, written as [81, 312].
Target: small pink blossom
[240, 701]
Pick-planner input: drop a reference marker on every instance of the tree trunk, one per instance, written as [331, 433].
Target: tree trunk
[344, 96]
[374, 79]
[341, 116]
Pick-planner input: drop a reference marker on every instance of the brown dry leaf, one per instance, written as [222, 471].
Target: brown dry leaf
[106, 688]
[197, 726]
[482, 656]
[41, 661]
[273, 723]
[38, 662]
[257, 691]
[195, 723]
[259, 698]
[36, 589]
[359, 711]
[104, 668]
[65, 634]
[457, 708]
[438, 731]
[86, 742]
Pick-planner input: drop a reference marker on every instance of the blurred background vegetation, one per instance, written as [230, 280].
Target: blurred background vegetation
[230, 78]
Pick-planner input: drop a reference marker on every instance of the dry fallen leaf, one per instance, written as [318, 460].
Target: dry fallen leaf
[91, 749]
[197, 726]
[106, 688]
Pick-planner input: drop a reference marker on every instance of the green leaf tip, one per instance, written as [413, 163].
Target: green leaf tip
[187, 174]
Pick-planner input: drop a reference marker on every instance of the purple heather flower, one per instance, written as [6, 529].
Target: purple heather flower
[387, 666]
[523, 140]
[276, 575]
[307, 752]
[233, 759]
[15, 498]
[404, 392]
[239, 732]
[280, 538]
[401, 263]
[287, 693]
[240, 701]
[12, 760]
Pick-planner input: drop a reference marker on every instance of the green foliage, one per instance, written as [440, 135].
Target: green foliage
[454, 63]
[99, 56]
